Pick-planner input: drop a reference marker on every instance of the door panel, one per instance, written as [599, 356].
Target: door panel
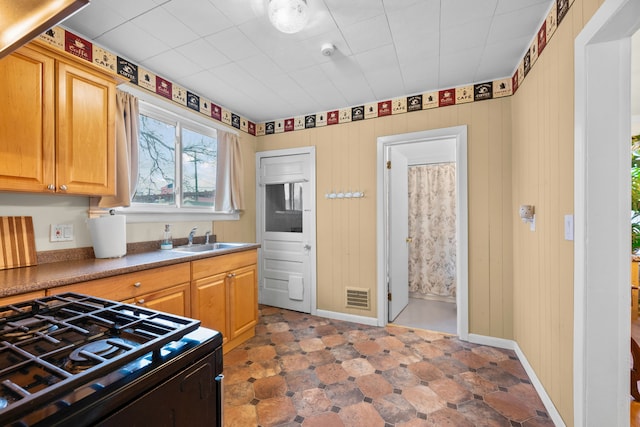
[285, 203]
[398, 234]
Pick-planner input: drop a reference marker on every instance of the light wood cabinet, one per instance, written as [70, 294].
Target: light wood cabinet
[221, 292]
[57, 127]
[21, 297]
[163, 288]
[225, 295]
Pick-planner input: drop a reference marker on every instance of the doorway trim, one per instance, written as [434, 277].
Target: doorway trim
[459, 133]
[602, 251]
[311, 151]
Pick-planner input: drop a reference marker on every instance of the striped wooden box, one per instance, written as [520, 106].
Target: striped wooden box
[17, 242]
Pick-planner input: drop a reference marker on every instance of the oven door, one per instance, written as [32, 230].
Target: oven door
[193, 397]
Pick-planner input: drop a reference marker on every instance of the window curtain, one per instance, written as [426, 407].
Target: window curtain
[126, 151]
[229, 182]
[432, 226]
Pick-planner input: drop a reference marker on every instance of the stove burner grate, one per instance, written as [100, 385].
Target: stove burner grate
[52, 345]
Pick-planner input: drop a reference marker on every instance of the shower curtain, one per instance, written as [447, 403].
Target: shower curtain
[432, 227]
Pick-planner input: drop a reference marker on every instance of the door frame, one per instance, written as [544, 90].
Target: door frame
[311, 151]
[459, 133]
[602, 327]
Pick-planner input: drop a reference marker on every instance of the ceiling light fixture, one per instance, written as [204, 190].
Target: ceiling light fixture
[288, 16]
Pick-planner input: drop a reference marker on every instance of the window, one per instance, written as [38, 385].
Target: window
[177, 162]
[283, 207]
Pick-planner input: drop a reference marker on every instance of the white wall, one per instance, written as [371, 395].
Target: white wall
[57, 209]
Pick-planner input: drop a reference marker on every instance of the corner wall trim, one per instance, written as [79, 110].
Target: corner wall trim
[371, 321]
[513, 345]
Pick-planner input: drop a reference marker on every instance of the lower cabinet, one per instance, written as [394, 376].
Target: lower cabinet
[225, 295]
[21, 297]
[221, 292]
[174, 300]
[163, 288]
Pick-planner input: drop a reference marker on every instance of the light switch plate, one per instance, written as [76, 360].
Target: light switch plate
[568, 227]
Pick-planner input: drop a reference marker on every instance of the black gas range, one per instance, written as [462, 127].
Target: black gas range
[77, 360]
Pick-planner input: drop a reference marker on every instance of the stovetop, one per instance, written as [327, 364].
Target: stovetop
[52, 345]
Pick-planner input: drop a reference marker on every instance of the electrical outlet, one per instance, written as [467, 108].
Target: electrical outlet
[61, 233]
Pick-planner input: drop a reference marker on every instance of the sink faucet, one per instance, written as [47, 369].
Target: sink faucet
[206, 237]
[191, 234]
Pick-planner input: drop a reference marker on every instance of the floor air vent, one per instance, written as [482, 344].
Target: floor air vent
[358, 298]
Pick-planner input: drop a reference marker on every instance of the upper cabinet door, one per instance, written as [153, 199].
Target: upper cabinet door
[85, 154]
[27, 121]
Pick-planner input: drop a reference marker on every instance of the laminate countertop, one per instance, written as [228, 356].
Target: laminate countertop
[50, 275]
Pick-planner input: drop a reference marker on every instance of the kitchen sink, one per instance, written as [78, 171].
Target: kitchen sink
[209, 247]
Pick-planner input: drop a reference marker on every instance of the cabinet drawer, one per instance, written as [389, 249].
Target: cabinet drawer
[223, 263]
[22, 297]
[130, 285]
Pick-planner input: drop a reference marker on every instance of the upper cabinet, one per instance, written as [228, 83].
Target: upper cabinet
[57, 127]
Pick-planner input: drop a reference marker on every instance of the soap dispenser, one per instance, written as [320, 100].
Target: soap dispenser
[167, 241]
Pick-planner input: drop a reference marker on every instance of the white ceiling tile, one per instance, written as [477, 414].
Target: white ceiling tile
[370, 60]
[346, 13]
[203, 54]
[420, 78]
[260, 65]
[506, 6]
[110, 18]
[233, 44]
[309, 76]
[240, 11]
[495, 60]
[523, 22]
[132, 42]
[200, 16]
[346, 75]
[385, 83]
[172, 65]
[129, 9]
[415, 22]
[468, 36]
[458, 68]
[458, 12]
[368, 34]
[165, 27]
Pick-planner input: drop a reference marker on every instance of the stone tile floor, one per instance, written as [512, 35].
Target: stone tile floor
[302, 370]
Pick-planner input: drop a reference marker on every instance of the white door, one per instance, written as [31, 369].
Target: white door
[285, 220]
[398, 245]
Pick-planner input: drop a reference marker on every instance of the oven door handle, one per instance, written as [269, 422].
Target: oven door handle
[220, 401]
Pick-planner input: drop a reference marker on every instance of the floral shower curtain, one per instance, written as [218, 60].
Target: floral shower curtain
[432, 226]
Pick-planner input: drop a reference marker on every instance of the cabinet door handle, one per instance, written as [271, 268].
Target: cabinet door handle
[51, 187]
[137, 285]
[231, 275]
[63, 187]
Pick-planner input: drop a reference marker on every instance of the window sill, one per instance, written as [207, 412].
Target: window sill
[163, 214]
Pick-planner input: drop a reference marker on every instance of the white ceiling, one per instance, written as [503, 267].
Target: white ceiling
[228, 52]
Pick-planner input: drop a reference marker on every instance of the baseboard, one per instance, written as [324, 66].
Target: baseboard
[370, 321]
[513, 345]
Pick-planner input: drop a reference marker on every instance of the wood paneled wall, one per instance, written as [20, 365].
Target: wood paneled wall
[346, 229]
[543, 167]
